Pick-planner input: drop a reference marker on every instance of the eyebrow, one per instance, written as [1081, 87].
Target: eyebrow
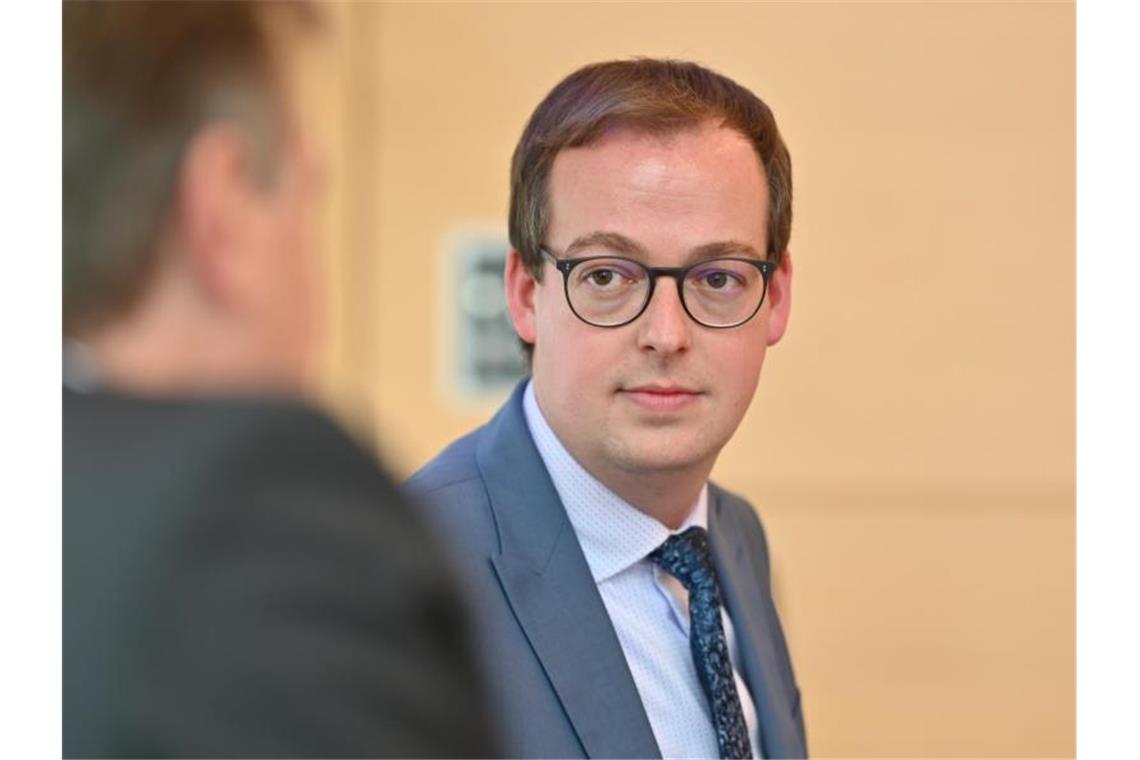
[723, 248]
[620, 244]
[613, 241]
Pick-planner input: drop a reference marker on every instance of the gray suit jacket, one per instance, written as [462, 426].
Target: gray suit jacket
[240, 580]
[560, 679]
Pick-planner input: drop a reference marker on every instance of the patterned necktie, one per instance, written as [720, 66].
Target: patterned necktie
[686, 557]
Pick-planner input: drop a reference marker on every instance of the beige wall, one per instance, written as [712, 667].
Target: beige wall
[911, 449]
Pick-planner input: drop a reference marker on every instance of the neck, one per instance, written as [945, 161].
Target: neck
[666, 493]
[666, 496]
[166, 349]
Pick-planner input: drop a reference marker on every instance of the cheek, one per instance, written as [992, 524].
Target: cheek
[738, 362]
[302, 285]
[572, 356]
[303, 242]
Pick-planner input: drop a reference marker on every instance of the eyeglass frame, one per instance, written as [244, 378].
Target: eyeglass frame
[565, 266]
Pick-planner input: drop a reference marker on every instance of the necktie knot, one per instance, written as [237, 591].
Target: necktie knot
[687, 557]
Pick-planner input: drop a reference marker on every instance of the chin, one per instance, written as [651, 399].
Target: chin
[654, 454]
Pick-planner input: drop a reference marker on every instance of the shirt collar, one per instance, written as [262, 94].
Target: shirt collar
[614, 534]
[80, 372]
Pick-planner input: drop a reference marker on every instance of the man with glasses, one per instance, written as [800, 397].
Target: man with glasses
[624, 600]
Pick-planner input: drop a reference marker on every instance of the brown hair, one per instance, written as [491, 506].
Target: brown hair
[139, 80]
[659, 96]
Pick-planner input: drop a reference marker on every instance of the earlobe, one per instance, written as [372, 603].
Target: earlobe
[519, 287]
[780, 299]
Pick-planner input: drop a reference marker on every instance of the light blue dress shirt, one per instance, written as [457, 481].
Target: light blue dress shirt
[649, 608]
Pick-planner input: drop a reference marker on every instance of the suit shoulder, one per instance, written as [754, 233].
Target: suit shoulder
[455, 465]
[188, 423]
[276, 422]
[740, 513]
[292, 439]
[733, 503]
[293, 432]
[307, 460]
[219, 457]
[451, 492]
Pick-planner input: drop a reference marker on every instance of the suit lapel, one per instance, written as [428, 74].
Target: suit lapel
[550, 589]
[756, 625]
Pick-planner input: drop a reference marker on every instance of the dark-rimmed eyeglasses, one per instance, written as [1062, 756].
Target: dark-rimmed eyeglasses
[612, 291]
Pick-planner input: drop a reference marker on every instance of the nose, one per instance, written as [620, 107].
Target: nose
[664, 328]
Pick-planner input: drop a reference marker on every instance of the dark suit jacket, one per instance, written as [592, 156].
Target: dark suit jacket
[561, 681]
[239, 579]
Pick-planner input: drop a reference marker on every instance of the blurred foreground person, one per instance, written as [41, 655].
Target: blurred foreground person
[238, 577]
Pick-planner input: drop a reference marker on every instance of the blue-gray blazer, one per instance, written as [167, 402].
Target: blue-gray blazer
[550, 654]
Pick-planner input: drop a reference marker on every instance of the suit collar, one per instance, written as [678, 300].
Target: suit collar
[528, 516]
[553, 595]
[757, 628]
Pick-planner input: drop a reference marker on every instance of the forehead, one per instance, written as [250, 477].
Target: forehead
[686, 188]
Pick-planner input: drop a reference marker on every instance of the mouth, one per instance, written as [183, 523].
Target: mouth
[661, 397]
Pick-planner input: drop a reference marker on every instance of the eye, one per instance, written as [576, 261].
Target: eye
[716, 279]
[608, 274]
[601, 277]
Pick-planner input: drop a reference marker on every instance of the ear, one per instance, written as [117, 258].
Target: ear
[780, 299]
[214, 209]
[520, 287]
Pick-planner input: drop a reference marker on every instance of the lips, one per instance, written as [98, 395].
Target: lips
[661, 397]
